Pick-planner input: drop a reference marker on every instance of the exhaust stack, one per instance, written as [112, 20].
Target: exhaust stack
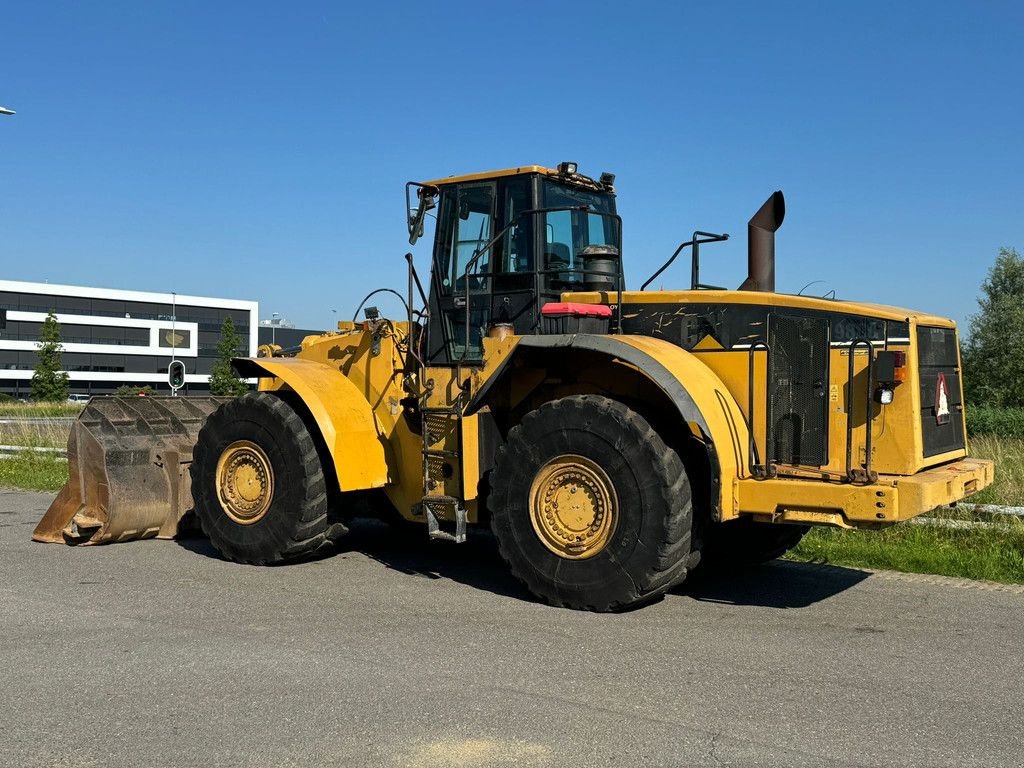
[761, 244]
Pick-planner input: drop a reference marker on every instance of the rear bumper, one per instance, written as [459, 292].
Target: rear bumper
[891, 499]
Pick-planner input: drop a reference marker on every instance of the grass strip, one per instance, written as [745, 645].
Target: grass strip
[1008, 454]
[34, 472]
[994, 553]
[45, 432]
[39, 410]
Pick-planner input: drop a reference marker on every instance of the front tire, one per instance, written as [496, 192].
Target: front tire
[258, 483]
[590, 507]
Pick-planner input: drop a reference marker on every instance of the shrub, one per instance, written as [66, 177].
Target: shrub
[1000, 422]
[133, 390]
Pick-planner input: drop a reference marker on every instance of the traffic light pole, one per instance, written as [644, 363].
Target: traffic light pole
[175, 378]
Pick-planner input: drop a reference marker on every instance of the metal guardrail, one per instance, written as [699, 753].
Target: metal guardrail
[10, 451]
[38, 419]
[990, 509]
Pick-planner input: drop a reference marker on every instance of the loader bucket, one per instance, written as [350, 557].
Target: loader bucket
[128, 460]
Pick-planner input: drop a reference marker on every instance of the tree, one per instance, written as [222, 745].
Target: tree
[223, 380]
[49, 382]
[134, 390]
[994, 355]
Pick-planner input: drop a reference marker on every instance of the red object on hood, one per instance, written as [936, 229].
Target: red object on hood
[576, 310]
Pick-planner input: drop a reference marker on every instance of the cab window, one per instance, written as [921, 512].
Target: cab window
[472, 226]
[567, 233]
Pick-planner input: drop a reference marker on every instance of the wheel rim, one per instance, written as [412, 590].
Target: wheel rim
[245, 482]
[573, 507]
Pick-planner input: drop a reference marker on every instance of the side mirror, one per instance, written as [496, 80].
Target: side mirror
[426, 203]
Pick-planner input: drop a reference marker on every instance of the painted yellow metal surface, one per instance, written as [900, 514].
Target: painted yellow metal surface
[891, 499]
[896, 434]
[343, 413]
[725, 422]
[245, 482]
[733, 371]
[573, 507]
[368, 405]
[369, 360]
[757, 298]
[486, 175]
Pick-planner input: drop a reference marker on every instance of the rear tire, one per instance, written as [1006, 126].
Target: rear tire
[258, 483]
[744, 543]
[593, 454]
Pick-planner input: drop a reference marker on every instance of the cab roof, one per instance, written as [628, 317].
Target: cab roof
[522, 169]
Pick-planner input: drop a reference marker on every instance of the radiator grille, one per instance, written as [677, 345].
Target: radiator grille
[937, 360]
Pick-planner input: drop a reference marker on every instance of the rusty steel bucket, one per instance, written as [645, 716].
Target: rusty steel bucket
[128, 461]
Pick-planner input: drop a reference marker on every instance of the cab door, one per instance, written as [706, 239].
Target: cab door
[466, 223]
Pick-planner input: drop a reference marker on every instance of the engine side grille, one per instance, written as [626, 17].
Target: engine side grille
[937, 359]
[797, 386]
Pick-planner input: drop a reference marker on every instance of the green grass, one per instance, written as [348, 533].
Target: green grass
[30, 470]
[993, 554]
[36, 472]
[42, 432]
[39, 410]
[1008, 454]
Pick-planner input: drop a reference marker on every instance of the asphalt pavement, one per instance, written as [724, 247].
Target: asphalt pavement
[397, 652]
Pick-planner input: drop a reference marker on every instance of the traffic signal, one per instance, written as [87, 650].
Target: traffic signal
[176, 374]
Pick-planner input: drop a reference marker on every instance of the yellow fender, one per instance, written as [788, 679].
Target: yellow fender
[696, 389]
[701, 398]
[340, 410]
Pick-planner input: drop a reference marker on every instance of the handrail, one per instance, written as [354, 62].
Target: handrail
[414, 279]
[857, 475]
[709, 237]
[757, 471]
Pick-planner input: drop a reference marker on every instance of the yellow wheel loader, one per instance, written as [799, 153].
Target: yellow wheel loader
[612, 439]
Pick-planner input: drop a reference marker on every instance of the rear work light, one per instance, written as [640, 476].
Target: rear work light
[890, 370]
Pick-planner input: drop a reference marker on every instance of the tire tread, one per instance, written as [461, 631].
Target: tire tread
[641, 446]
[311, 531]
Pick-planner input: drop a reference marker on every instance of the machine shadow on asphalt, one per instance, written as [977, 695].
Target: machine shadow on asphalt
[477, 564]
[777, 584]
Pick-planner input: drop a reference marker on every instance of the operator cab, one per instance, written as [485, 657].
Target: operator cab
[507, 243]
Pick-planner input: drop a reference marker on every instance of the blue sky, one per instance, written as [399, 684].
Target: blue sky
[258, 150]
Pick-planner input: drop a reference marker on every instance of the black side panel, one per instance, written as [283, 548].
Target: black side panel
[739, 325]
[937, 358]
[797, 390]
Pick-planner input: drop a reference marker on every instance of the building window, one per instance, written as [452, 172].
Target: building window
[176, 338]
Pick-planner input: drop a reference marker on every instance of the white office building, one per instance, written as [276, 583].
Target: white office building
[113, 337]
